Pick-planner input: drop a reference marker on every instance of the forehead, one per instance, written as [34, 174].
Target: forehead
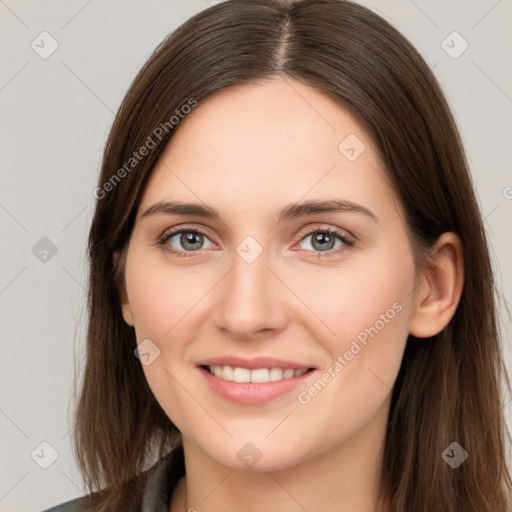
[254, 145]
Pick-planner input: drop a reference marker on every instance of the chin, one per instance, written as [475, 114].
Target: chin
[258, 455]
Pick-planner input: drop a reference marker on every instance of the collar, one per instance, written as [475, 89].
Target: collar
[161, 480]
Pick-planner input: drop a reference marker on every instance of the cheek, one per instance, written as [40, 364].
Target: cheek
[368, 310]
[354, 297]
[160, 297]
[365, 311]
[168, 307]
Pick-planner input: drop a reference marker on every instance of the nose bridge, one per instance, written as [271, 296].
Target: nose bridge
[249, 299]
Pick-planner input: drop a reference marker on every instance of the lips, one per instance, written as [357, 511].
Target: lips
[253, 381]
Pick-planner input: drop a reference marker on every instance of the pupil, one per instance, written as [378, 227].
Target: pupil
[323, 240]
[190, 240]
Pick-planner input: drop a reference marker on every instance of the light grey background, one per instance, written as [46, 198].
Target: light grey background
[55, 116]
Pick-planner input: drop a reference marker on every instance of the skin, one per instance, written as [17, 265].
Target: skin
[248, 151]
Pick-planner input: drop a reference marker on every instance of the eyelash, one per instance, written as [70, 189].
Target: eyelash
[348, 242]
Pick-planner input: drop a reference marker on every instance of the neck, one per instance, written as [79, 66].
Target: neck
[344, 477]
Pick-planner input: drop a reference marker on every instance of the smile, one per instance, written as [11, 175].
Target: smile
[254, 382]
[239, 374]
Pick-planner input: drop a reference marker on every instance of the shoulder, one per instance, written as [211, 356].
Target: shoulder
[75, 505]
[158, 482]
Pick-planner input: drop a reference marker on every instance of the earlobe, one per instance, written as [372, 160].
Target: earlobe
[121, 286]
[438, 294]
[127, 315]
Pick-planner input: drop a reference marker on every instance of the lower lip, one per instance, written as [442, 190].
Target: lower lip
[253, 393]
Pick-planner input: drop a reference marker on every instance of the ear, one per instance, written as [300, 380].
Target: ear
[439, 292]
[118, 262]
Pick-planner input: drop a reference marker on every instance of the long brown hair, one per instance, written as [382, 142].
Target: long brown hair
[448, 387]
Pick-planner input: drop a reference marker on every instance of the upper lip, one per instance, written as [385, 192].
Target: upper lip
[252, 364]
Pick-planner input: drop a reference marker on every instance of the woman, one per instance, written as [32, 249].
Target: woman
[291, 297]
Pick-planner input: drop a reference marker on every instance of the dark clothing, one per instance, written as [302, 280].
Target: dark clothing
[162, 477]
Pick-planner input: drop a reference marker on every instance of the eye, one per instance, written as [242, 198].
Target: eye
[191, 240]
[324, 240]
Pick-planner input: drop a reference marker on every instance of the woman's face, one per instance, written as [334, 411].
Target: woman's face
[263, 286]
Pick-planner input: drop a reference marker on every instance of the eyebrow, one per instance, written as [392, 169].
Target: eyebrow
[289, 212]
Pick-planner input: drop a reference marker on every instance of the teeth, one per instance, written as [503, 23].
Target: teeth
[259, 375]
[227, 373]
[275, 374]
[241, 375]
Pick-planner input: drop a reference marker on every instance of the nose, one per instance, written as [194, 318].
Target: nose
[251, 300]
